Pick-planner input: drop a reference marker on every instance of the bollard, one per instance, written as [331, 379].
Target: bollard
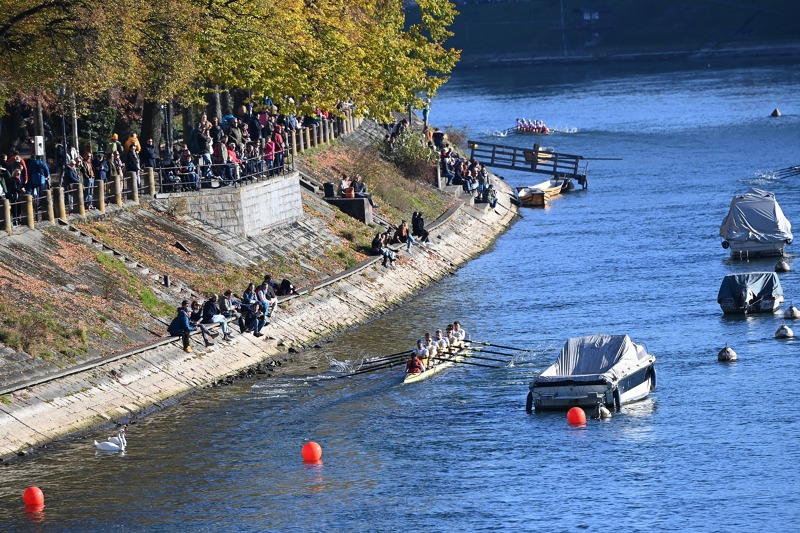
[101, 196]
[118, 190]
[81, 206]
[301, 140]
[307, 133]
[134, 186]
[61, 207]
[7, 215]
[316, 135]
[294, 144]
[51, 215]
[167, 281]
[151, 182]
[29, 210]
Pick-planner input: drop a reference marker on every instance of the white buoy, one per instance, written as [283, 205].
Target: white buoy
[792, 312]
[775, 113]
[726, 355]
[783, 266]
[784, 332]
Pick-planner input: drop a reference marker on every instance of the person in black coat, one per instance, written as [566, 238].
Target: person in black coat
[149, 156]
[418, 227]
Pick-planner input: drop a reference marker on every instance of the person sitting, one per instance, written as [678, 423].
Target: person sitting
[438, 138]
[490, 196]
[433, 349]
[346, 187]
[254, 319]
[286, 288]
[229, 305]
[196, 319]
[442, 343]
[414, 365]
[212, 315]
[182, 327]
[189, 178]
[402, 235]
[267, 297]
[458, 332]
[451, 338]
[379, 248]
[360, 190]
[418, 228]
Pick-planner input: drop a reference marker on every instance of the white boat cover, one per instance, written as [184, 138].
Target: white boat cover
[756, 216]
[593, 357]
[743, 288]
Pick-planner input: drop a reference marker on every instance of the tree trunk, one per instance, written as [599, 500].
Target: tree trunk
[225, 101]
[189, 122]
[151, 123]
[10, 127]
[214, 105]
[74, 110]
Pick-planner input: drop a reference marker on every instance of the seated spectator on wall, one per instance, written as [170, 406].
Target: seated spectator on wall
[267, 298]
[286, 288]
[346, 187]
[360, 190]
[418, 227]
[379, 247]
[212, 315]
[254, 319]
[438, 138]
[402, 235]
[186, 169]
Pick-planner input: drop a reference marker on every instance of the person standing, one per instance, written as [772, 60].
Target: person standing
[148, 157]
[86, 175]
[39, 179]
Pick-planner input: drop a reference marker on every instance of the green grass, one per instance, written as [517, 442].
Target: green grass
[134, 286]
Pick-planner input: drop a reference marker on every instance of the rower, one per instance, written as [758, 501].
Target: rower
[459, 332]
[419, 354]
[433, 349]
[451, 337]
[442, 344]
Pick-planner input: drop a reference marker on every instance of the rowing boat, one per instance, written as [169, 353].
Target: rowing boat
[537, 195]
[460, 355]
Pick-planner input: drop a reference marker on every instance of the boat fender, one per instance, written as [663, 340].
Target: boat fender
[792, 312]
[652, 378]
[783, 266]
[617, 400]
[726, 244]
[784, 332]
[529, 402]
[726, 355]
[775, 113]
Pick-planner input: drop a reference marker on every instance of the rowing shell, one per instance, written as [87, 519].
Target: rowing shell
[462, 354]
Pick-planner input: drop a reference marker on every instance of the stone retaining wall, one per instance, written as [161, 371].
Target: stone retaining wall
[147, 379]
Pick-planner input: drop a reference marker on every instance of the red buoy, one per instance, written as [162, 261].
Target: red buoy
[33, 496]
[312, 451]
[576, 416]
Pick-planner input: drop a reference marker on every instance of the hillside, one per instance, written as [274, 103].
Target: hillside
[558, 30]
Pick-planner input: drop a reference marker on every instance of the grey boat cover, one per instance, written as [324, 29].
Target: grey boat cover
[592, 357]
[755, 216]
[760, 284]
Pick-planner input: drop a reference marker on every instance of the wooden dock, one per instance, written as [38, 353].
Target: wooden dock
[553, 164]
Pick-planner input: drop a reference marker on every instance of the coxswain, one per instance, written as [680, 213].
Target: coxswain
[420, 353]
[414, 365]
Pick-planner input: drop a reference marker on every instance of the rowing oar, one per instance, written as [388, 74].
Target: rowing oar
[498, 346]
[464, 362]
[600, 158]
[482, 350]
[473, 356]
[387, 357]
[376, 367]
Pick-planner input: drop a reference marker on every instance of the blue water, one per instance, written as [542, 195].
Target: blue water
[715, 448]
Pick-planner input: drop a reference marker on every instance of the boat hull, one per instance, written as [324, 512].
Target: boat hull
[751, 249]
[729, 306]
[436, 369]
[560, 395]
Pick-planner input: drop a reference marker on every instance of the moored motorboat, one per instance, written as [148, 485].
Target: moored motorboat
[750, 292]
[441, 365]
[755, 226]
[608, 369]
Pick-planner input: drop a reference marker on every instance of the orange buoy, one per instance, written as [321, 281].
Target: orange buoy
[33, 496]
[576, 416]
[311, 451]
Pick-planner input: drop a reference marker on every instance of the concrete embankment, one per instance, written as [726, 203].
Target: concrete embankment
[148, 378]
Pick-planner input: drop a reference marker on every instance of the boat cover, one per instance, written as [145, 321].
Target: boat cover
[592, 357]
[754, 285]
[756, 216]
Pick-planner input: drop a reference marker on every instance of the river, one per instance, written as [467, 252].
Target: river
[714, 448]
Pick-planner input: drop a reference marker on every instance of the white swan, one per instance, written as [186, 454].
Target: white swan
[107, 446]
[116, 440]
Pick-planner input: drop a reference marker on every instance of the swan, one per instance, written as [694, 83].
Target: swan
[107, 446]
[116, 440]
